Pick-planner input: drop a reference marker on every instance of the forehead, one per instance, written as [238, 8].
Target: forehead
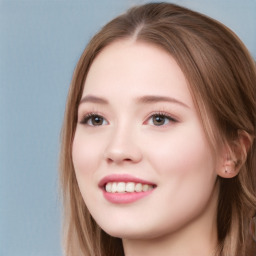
[133, 67]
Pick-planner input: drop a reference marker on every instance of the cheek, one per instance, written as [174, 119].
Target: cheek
[85, 151]
[186, 166]
[182, 152]
[85, 156]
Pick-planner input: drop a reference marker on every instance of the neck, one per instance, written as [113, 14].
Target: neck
[197, 238]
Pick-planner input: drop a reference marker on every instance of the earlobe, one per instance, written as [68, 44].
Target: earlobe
[235, 154]
[230, 169]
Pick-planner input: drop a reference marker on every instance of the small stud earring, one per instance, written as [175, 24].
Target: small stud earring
[230, 166]
[228, 169]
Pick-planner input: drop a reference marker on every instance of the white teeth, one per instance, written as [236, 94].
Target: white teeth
[109, 187]
[138, 187]
[130, 187]
[120, 187]
[114, 187]
[145, 187]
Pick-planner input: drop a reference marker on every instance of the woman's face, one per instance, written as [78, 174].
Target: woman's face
[142, 161]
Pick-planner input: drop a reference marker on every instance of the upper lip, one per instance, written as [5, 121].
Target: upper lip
[124, 178]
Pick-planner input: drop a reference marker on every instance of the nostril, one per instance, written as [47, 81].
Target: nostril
[127, 159]
[118, 160]
[109, 160]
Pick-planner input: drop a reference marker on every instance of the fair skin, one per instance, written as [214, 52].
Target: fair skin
[137, 121]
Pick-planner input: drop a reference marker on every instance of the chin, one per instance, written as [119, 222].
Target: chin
[131, 235]
[128, 232]
[120, 232]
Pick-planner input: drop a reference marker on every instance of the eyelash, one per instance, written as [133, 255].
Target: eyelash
[88, 117]
[162, 115]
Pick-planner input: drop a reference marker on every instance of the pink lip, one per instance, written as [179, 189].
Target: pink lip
[123, 198]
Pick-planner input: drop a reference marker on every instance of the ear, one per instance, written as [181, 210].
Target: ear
[234, 155]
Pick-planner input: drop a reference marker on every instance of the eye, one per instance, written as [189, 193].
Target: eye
[94, 120]
[160, 119]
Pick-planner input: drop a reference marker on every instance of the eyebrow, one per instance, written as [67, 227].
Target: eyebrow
[93, 99]
[147, 99]
[154, 99]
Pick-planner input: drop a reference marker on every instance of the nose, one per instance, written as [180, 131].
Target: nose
[123, 147]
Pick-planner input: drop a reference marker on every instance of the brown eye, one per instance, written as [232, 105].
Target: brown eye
[94, 120]
[97, 120]
[159, 120]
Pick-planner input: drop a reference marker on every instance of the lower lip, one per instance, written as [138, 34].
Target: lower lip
[125, 198]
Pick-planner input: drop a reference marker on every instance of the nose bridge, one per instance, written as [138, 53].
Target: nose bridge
[122, 145]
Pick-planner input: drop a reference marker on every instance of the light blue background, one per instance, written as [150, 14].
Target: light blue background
[40, 43]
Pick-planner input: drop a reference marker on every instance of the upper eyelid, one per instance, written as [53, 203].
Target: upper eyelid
[163, 113]
[83, 113]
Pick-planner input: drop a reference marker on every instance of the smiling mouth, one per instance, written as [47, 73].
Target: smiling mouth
[127, 187]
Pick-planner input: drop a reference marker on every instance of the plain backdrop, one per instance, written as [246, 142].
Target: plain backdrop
[40, 43]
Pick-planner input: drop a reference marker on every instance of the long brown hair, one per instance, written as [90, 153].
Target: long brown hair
[222, 79]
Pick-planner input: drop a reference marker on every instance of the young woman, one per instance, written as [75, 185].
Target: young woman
[158, 144]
